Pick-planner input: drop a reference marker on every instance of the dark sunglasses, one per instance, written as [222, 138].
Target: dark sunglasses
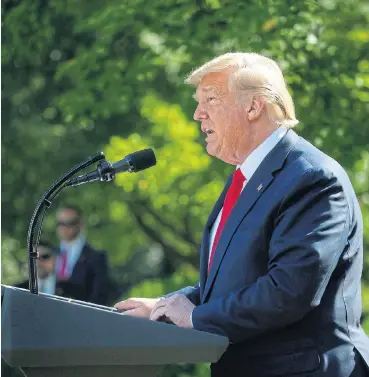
[70, 223]
[44, 257]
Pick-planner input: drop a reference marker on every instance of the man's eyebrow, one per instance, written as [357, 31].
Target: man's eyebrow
[207, 89]
[204, 89]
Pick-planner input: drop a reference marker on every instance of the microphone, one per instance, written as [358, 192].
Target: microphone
[105, 171]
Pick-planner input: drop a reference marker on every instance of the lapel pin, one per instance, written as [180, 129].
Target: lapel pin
[260, 187]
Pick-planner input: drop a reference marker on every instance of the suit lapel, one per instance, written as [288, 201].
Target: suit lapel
[81, 261]
[254, 188]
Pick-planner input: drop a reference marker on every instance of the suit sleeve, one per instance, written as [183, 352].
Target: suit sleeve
[100, 282]
[192, 293]
[309, 236]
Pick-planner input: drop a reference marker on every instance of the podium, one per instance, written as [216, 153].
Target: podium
[50, 336]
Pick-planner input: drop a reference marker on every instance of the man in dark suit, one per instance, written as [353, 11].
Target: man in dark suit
[282, 251]
[46, 277]
[78, 263]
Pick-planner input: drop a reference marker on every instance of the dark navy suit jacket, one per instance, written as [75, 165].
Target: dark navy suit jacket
[90, 274]
[284, 286]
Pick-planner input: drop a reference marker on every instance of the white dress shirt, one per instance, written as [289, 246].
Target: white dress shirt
[73, 249]
[249, 167]
[47, 285]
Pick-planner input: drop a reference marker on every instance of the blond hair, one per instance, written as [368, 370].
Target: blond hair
[255, 72]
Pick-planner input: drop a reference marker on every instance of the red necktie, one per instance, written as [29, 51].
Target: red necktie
[233, 193]
[63, 265]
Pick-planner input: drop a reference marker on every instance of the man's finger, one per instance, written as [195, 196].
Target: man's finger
[158, 306]
[158, 313]
[128, 304]
[162, 302]
[137, 312]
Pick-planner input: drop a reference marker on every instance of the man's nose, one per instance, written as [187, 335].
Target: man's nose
[200, 113]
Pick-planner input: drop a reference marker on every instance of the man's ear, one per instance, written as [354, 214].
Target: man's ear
[256, 108]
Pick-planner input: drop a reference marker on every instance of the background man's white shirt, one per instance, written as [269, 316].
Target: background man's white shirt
[73, 249]
[47, 285]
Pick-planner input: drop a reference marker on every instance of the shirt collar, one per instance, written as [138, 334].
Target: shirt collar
[252, 162]
[77, 243]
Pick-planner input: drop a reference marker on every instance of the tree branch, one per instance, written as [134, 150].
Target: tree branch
[186, 235]
[172, 253]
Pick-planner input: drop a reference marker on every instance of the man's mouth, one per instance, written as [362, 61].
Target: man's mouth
[208, 131]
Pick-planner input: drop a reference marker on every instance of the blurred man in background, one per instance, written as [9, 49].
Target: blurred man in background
[46, 268]
[79, 263]
[46, 275]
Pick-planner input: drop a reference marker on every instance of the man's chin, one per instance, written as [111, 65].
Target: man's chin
[216, 152]
[212, 149]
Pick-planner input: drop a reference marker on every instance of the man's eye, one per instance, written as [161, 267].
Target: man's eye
[210, 99]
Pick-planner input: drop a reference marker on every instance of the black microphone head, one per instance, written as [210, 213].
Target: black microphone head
[142, 160]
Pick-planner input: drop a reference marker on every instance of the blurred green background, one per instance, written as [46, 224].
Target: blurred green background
[84, 76]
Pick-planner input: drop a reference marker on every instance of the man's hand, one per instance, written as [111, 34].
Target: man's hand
[177, 308]
[137, 307]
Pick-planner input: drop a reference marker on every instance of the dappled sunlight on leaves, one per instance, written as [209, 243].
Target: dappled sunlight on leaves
[184, 276]
[178, 153]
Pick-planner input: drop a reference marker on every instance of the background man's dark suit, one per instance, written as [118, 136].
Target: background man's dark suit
[89, 280]
[62, 288]
[79, 263]
[90, 273]
[284, 286]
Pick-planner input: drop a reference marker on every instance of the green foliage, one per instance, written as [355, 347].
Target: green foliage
[83, 76]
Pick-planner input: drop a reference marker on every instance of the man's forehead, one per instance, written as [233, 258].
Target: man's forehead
[213, 81]
[66, 212]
